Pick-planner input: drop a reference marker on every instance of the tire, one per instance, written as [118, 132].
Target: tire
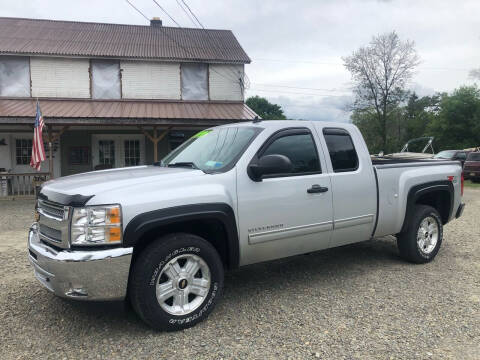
[418, 247]
[170, 262]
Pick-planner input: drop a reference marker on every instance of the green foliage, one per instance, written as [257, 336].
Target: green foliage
[453, 119]
[457, 125]
[265, 109]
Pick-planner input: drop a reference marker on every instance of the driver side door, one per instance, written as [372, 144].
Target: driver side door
[278, 216]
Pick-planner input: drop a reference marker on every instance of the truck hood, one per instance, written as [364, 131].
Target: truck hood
[95, 182]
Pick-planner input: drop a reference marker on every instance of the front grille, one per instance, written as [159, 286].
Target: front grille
[51, 233]
[54, 223]
[51, 209]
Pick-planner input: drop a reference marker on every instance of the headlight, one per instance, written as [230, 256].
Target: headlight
[97, 225]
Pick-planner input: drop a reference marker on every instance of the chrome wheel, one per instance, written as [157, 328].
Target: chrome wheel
[427, 235]
[183, 284]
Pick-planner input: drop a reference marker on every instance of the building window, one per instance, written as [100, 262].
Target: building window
[175, 139]
[132, 152]
[341, 149]
[194, 81]
[14, 76]
[106, 152]
[78, 155]
[105, 79]
[23, 151]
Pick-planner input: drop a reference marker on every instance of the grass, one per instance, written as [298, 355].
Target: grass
[469, 183]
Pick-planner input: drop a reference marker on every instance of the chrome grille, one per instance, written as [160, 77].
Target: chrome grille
[51, 233]
[51, 209]
[54, 223]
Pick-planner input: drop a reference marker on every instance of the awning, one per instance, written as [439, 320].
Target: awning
[124, 112]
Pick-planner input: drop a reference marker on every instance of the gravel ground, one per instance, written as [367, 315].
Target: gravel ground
[358, 301]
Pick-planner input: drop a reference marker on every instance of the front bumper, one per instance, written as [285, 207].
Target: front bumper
[80, 274]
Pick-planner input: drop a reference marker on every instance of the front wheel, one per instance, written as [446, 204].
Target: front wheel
[421, 242]
[176, 281]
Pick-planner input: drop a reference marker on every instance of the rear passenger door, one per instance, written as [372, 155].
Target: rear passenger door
[353, 184]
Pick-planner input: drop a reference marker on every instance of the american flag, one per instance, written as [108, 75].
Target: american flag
[38, 151]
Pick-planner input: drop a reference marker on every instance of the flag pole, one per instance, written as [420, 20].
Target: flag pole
[50, 151]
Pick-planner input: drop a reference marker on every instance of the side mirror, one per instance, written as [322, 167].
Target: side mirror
[268, 165]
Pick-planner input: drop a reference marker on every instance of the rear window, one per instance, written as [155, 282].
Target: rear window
[342, 152]
[473, 157]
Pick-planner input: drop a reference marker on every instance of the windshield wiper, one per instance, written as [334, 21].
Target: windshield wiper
[184, 164]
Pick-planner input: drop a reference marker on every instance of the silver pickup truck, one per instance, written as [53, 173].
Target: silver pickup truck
[161, 236]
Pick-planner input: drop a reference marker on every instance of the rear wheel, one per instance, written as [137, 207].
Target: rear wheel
[423, 238]
[176, 281]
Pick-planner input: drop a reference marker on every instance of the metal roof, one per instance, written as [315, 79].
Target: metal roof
[102, 112]
[69, 38]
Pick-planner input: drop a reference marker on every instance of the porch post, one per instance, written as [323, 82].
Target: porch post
[155, 139]
[155, 144]
[51, 139]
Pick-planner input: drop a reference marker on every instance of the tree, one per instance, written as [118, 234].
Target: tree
[418, 114]
[381, 71]
[404, 122]
[475, 74]
[265, 109]
[457, 125]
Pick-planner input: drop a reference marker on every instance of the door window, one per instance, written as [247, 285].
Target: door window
[106, 152]
[132, 152]
[342, 152]
[300, 149]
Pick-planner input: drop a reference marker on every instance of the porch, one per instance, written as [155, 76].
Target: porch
[87, 135]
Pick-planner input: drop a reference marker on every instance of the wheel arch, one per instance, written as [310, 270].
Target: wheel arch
[437, 194]
[215, 222]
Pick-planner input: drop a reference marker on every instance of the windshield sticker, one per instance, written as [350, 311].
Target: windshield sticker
[214, 164]
[201, 133]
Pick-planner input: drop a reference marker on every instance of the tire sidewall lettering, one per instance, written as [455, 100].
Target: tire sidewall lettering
[161, 264]
[200, 312]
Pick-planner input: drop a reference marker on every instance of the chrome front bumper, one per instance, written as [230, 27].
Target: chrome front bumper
[80, 274]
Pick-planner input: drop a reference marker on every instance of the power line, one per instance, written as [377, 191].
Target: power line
[212, 41]
[141, 13]
[165, 11]
[298, 93]
[341, 64]
[186, 13]
[302, 88]
[176, 42]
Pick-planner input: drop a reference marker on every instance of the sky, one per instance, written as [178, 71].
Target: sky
[297, 47]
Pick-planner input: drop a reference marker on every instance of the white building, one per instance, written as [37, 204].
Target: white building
[113, 95]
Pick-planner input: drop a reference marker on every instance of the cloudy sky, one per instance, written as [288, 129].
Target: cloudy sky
[296, 46]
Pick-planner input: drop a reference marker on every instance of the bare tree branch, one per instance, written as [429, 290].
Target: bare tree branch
[381, 70]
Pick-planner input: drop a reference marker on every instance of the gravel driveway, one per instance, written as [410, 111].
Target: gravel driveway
[358, 301]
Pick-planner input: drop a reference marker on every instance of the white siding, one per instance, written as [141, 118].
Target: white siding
[150, 80]
[60, 77]
[222, 82]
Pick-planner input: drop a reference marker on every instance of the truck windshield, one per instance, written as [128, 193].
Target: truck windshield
[212, 150]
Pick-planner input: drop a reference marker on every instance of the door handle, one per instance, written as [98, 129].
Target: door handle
[317, 189]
